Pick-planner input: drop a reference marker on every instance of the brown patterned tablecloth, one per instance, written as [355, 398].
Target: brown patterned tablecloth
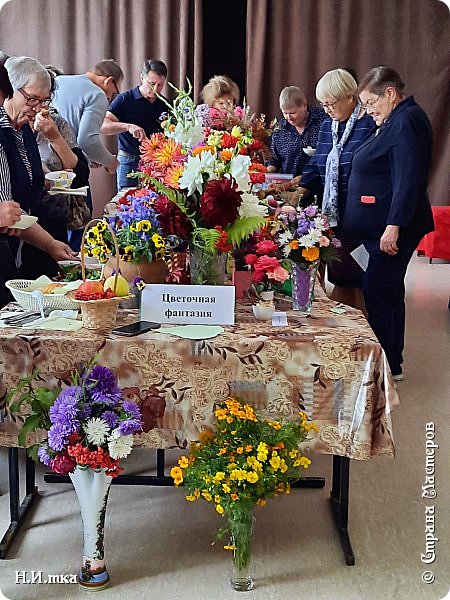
[330, 364]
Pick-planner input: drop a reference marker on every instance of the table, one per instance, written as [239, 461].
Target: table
[330, 365]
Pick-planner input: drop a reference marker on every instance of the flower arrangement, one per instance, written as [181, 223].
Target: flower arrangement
[136, 227]
[245, 461]
[204, 178]
[265, 263]
[87, 423]
[304, 236]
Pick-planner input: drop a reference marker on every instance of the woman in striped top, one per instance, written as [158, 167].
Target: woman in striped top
[21, 176]
[346, 127]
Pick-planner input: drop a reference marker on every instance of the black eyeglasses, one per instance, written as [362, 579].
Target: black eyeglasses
[328, 105]
[33, 101]
[117, 92]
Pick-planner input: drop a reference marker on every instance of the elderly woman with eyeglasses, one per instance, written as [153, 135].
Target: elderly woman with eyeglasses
[387, 201]
[345, 129]
[21, 176]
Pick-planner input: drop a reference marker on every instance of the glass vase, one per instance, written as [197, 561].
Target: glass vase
[242, 527]
[92, 489]
[206, 268]
[303, 280]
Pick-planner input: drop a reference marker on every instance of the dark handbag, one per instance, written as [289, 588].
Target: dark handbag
[79, 213]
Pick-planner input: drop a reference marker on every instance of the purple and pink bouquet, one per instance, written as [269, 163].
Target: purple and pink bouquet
[90, 424]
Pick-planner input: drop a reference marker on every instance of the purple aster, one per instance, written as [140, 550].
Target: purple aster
[311, 211]
[109, 398]
[303, 226]
[58, 436]
[44, 456]
[129, 426]
[110, 417]
[131, 407]
[65, 407]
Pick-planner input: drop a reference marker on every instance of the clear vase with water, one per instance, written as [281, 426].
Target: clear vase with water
[303, 281]
[241, 528]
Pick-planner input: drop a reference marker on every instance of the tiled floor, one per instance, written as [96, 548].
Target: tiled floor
[158, 546]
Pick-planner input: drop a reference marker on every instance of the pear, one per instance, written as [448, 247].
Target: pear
[122, 288]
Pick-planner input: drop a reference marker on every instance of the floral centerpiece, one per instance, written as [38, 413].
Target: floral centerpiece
[136, 227]
[204, 178]
[90, 429]
[88, 423]
[265, 265]
[305, 239]
[243, 462]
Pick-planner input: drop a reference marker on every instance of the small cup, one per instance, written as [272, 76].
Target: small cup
[60, 179]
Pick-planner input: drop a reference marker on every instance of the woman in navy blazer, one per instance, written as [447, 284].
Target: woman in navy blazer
[387, 202]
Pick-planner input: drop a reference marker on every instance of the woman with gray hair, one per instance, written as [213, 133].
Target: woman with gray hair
[21, 176]
[297, 130]
[345, 129]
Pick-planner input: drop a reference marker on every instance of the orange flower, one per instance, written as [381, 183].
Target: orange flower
[167, 153]
[257, 168]
[311, 254]
[293, 244]
[226, 155]
[151, 144]
[200, 149]
[173, 174]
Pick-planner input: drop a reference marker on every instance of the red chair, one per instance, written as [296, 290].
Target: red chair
[437, 243]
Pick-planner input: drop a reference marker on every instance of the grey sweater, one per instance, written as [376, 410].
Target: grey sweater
[83, 105]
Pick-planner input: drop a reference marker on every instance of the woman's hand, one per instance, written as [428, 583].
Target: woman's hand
[60, 251]
[388, 241]
[47, 126]
[10, 213]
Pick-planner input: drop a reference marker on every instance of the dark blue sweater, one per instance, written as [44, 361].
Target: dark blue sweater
[392, 166]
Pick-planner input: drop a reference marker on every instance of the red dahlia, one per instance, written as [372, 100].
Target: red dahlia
[220, 202]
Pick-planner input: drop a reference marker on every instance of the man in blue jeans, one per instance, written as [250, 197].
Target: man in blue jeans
[135, 115]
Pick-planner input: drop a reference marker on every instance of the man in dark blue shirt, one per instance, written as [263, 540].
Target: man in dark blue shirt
[135, 115]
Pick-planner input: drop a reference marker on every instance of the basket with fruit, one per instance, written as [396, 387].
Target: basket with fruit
[99, 300]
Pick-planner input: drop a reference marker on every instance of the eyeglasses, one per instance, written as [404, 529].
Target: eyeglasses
[369, 105]
[33, 101]
[116, 93]
[328, 105]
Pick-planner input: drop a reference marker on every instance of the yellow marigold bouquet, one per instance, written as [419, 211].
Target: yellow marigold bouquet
[246, 460]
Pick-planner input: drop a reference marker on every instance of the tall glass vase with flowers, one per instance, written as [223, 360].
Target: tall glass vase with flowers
[306, 240]
[245, 460]
[89, 429]
[205, 179]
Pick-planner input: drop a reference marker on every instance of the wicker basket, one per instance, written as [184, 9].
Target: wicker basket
[99, 314]
[17, 288]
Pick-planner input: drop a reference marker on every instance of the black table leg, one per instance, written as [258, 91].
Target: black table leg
[339, 504]
[17, 510]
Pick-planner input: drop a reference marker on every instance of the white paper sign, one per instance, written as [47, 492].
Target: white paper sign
[361, 256]
[188, 304]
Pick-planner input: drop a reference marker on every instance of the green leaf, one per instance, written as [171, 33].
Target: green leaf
[243, 228]
[32, 452]
[31, 424]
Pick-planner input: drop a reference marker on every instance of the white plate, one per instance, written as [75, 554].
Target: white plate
[24, 222]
